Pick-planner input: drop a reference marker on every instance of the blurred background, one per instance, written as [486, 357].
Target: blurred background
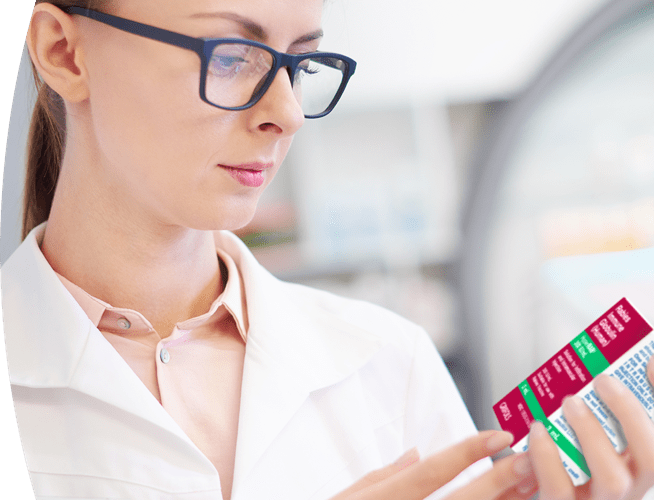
[478, 143]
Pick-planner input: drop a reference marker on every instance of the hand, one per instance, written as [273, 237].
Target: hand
[413, 479]
[614, 476]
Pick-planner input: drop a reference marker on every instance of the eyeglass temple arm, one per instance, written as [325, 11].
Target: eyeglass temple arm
[136, 28]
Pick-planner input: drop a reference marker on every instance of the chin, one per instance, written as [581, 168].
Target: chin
[220, 213]
[231, 220]
[236, 227]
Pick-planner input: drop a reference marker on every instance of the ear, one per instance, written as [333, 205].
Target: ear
[53, 42]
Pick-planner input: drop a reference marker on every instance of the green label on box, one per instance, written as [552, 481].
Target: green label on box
[589, 354]
[562, 442]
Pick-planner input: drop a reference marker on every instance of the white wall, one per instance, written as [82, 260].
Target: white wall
[464, 50]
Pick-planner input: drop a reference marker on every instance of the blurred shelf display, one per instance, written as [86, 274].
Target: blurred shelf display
[569, 172]
[384, 201]
[373, 218]
[368, 205]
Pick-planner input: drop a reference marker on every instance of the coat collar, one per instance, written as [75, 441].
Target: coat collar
[44, 349]
[51, 342]
[296, 344]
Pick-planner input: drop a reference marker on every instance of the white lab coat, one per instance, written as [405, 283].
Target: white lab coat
[332, 389]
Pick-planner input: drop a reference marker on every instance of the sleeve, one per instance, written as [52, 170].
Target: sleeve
[436, 416]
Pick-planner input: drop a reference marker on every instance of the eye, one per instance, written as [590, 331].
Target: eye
[306, 67]
[226, 66]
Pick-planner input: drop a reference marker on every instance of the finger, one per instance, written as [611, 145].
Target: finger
[650, 370]
[423, 478]
[636, 424]
[525, 489]
[438, 470]
[409, 458]
[552, 477]
[611, 476]
[502, 479]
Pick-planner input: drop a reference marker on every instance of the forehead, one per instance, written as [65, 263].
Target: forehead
[279, 18]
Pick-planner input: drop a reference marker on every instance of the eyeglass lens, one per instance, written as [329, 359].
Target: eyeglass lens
[237, 71]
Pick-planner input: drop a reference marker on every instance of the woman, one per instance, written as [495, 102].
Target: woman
[133, 379]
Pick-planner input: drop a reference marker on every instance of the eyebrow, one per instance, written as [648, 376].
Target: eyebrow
[254, 29]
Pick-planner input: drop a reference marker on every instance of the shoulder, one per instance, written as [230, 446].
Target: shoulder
[403, 371]
[269, 295]
[365, 315]
[406, 387]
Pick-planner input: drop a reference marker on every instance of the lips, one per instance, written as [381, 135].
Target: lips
[248, 174]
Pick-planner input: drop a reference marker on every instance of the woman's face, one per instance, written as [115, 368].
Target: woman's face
[164, 153]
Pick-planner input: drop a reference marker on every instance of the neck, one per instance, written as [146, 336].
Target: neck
[113, 252]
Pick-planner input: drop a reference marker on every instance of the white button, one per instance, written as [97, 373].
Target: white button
[164, 355]
[124, 323]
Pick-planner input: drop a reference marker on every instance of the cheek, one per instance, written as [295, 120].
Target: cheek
[160, 142]
[284, 147]
[281, 151]
[136, 105]
[149, 118]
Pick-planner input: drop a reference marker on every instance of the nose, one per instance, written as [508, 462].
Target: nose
[278, 110]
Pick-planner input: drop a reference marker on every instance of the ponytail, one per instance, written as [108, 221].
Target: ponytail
[45, 148]
[45, 143]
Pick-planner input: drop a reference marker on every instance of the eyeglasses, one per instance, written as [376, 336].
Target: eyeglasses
[236, 73]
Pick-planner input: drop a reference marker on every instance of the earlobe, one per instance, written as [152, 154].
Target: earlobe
[53, 44]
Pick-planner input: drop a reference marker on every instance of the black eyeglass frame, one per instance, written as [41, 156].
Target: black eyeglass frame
[204, 47]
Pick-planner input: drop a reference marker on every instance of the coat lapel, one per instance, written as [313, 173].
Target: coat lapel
[60, 347]
[295, 346]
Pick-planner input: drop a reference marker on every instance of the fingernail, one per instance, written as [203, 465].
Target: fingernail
[606, 382]
[408, 458]
[522, 466]
[526, 487]
[499, 441]
[574, 406]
